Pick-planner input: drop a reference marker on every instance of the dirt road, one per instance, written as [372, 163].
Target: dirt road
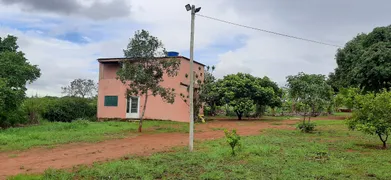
[66, 156]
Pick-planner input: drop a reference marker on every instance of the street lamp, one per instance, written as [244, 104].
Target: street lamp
[193, 10]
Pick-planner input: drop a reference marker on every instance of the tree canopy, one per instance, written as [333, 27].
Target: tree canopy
[143, 73]
[15, 73]
[372, 115]
[310, 89]
[365, 62]
[81, 88]
[243, 91]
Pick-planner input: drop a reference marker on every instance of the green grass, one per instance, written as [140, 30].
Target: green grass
[49, 134]
[332, 152]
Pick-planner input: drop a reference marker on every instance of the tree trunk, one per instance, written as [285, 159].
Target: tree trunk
[274, 111]
[383, 140]
[294, 111]
[140, 125]
[240, 114]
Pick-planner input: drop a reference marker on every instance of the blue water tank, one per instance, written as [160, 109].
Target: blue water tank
[172, 53]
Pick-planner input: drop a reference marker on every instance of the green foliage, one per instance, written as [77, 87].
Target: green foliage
[244, 91]
[364, 61]
[333, 153]
[312, 90]
[143, 73]
[80, 130]
[15, 73]
[372, 115]
[67, 109]
[306, 127]
[232, 139]
[346, 97]
[81, 88]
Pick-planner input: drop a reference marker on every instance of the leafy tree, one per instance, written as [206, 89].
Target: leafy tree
[243, 91]
[313, 92]
[310, 89]
[346, 97]
[364, 62]
[372, 115]
[81, 88]
[144, 72]
[209, 91]
[274, 101]
[15, 73]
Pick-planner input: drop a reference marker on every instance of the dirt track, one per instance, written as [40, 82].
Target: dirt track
[66, 156]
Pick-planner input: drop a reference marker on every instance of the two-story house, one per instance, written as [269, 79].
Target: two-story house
[113, 102]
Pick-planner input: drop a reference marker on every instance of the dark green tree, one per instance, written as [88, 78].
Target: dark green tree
[15, 73]
[243, 91]
[365, 62]
[143, 72]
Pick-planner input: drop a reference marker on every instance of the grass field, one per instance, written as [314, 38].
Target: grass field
[333, 152]
[49, 134]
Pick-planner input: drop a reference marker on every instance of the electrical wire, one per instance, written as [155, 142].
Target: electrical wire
[267, 31]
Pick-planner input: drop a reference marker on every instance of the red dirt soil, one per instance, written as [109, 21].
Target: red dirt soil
[37, 160]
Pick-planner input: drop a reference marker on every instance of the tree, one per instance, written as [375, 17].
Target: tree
[144, 71]
[205, 92]
[209, 91]
[364, 62]
[15, 73]
[81, 88]
[243, 91]
[312, 90]
[372, 115]
[346, 97]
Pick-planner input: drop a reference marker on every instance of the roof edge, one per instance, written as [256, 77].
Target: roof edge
[118, 59]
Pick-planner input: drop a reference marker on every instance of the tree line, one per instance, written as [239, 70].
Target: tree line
[360, 83]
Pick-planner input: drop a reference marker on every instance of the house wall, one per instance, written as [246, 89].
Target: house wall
[156, 107]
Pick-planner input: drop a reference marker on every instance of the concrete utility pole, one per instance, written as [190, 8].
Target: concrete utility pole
[193, 10]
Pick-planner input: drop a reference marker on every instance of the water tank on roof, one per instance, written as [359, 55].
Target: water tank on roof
[172, 54]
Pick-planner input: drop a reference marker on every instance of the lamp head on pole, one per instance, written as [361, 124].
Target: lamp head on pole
[188, 7]
[197, 9]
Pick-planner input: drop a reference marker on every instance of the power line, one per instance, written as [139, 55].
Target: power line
[267, 31]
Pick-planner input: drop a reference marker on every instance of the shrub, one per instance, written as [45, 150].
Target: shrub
[13, 118]
[371, 115]
[232, 139]
[68, 109]
[306, 127]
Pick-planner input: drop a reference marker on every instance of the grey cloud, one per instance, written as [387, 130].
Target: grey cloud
[97, 11]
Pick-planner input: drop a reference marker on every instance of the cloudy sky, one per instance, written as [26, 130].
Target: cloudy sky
[65, 37]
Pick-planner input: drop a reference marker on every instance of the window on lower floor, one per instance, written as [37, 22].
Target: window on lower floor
[111, 100]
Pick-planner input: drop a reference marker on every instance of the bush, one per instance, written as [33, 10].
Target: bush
[232, 139]
[13, 118]
[68, 109]
[306, 127]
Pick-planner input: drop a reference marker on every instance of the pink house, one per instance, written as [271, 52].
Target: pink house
[113, 103]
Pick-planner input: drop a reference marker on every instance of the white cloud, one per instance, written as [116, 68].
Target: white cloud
[258, 53]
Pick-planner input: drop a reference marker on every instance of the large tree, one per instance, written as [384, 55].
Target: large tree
[15, 73]
[310, 89]
[365, 62]
[81, 88]
[143, 72]
[243, 91]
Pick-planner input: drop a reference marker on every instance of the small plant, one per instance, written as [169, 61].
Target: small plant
[232, 139]
[306, 127]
